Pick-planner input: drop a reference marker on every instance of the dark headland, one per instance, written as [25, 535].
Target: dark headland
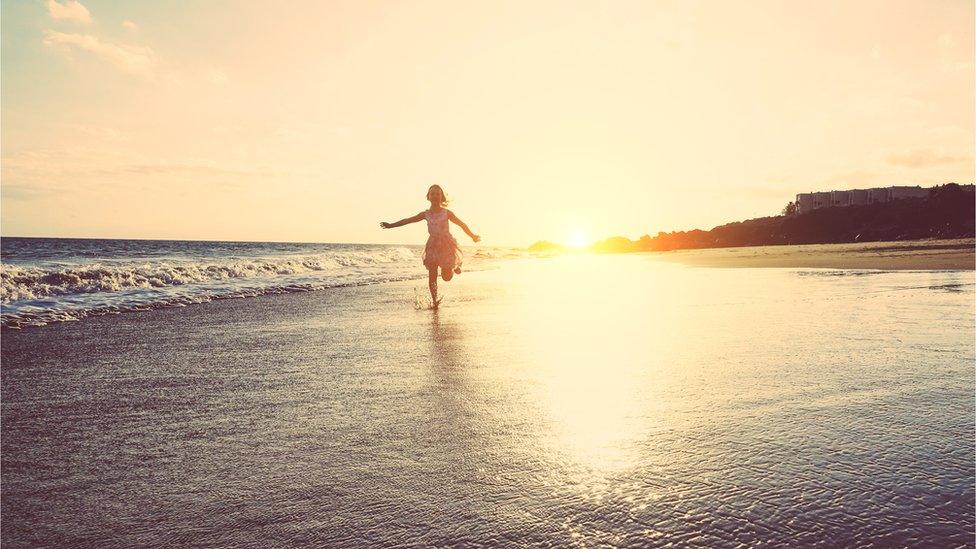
[948, 212]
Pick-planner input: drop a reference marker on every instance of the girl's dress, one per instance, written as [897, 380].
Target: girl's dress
[442, 249]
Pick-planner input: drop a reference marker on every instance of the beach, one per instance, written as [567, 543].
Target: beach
[711, 274]
[612, 400]
[956, 254]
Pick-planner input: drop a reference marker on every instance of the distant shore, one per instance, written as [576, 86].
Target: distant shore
[955, 254]
[947, 213]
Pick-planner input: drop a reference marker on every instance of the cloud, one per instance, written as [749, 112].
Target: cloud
[923, 158]
[217, 77]
[852, 178]
[134, 60]
[129, 25]
[101, 132]
[199, 169]
[70, 10]
[18, 192]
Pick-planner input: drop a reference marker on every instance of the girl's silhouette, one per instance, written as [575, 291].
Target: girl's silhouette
[442, 251]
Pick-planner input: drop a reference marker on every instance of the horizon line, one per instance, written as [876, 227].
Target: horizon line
[147, 239]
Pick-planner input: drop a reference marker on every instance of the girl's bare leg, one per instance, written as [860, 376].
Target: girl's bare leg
[446, 274]
[432, 283]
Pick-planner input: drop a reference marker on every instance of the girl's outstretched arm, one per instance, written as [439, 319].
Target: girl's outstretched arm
[402, 222]
[459, 223]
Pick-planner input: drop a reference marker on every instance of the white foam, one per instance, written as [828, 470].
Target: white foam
[43, 293]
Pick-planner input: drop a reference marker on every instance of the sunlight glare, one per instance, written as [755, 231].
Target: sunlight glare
[577, 238]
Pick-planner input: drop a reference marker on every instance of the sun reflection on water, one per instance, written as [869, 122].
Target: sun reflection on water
[601, 357]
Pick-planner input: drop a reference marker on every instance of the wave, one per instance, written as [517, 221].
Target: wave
[40, 294]
[24, 283]
[500, 253]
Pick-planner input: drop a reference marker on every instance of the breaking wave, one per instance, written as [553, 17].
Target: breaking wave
[47, 292]
[20, 283]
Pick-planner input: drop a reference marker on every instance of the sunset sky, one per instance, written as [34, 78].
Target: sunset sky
[314, 121]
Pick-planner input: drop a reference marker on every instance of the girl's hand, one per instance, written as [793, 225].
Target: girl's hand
[476, 238]
[384, 224]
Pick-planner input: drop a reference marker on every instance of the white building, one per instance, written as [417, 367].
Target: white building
[908, 192]
[879, 194]
[856, 197]
[840, 198]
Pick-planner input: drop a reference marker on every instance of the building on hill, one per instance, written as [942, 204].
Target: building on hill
[907, 192]
[840, 198]
[806, 202]
[879, 194]
[812, 201]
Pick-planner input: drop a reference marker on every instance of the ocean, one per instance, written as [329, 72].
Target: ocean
[571, 401]
[44, 280]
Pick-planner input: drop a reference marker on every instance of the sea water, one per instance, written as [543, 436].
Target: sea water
[591, 401]
[44, 280]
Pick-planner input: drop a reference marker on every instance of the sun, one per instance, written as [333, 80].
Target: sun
[577, 238]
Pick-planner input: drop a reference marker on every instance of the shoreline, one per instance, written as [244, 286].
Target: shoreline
[915, 255]
[899, 255]
[539, 386]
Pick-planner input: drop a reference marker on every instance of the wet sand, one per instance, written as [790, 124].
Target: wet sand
[907, 255]
[607, 400]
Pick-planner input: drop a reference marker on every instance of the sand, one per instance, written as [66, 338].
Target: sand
[908, 255]
[605, 400]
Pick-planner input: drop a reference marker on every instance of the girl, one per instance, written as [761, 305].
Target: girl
[442, 249]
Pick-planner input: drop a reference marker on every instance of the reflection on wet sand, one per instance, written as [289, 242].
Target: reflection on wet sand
[446, 342]
[579, 401]
[671, 392]
[448, 372]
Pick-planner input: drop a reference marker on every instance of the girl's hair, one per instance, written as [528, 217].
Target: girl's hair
[443, 194]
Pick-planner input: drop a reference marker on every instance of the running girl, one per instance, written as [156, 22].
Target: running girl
[442, 251]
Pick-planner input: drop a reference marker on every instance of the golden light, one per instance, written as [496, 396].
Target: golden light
[578, 238]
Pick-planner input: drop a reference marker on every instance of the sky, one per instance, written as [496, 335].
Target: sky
[314, 121]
